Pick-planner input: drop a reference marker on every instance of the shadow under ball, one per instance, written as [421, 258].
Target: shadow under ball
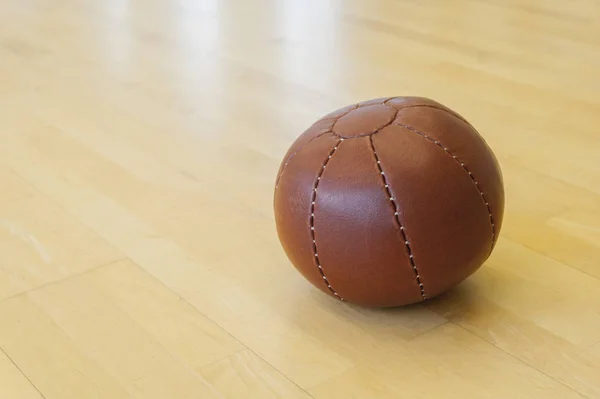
[389, 202]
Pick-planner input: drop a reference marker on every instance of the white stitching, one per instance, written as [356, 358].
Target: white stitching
[312, 220]
[335, 118]
[462, 164]
[367, 134]
[446, 110]
[296, 152]
[397, 217]
[330, 131]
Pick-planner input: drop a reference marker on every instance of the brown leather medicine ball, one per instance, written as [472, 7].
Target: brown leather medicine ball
[389, 202]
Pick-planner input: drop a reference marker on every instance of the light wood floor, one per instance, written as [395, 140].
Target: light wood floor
[139, 146]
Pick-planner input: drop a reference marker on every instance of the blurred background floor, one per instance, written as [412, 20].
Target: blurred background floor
[139, 146]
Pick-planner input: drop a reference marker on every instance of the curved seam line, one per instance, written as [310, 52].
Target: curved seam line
[312, 220]
[296, 152]
[384, 102]
[394, 203]
[447, 111]
[341, 116]
[330, 130]
[462, 165]
[372, 133]
[336, 118]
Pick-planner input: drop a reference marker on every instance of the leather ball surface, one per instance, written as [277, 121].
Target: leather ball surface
[389, 202]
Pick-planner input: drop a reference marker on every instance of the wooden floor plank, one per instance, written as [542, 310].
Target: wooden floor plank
[139, 147]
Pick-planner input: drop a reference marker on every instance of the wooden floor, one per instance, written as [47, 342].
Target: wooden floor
[139, 146]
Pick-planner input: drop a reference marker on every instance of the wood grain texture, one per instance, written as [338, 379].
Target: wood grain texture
[140, 146]
[14, 383]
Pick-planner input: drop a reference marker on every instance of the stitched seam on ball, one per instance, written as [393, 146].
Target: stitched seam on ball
[394, 203]
[462, 165]
[449, 112]
[368, 134]
[335, 118]
[296, 152]
[312, 220]
[384, 102]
